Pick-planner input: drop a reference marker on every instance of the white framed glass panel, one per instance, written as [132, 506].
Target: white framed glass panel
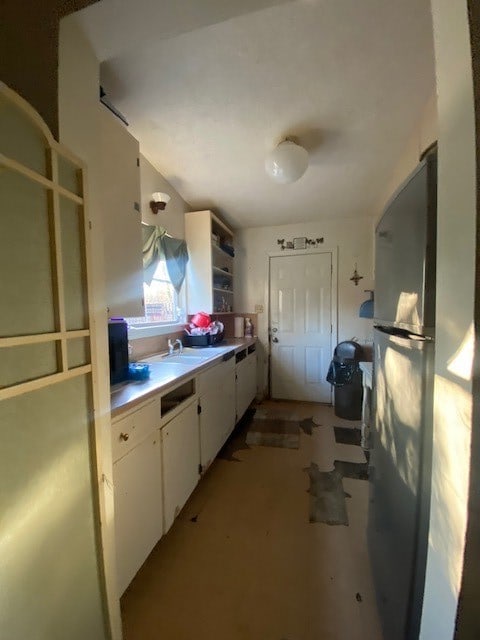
[69, 175]
[26, 289]
[72, 238]
[28, 362]
[21, 139]
[49, 561]
[78, 350]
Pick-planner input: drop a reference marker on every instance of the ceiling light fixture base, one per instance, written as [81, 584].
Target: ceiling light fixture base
[287, 162]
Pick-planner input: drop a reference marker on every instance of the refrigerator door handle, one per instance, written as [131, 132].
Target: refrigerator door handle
[402, 333]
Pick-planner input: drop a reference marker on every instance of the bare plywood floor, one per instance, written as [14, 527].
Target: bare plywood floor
[243, 561]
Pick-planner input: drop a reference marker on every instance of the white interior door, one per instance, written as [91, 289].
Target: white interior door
[301, 326]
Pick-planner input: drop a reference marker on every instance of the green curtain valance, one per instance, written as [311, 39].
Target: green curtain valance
[158, 245]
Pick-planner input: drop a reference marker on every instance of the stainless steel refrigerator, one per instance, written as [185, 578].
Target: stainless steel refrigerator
[404, 339]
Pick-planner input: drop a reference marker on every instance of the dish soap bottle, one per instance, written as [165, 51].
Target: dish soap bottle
[248, 328]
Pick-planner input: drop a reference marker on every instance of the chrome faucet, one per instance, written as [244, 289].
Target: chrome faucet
[171, 346]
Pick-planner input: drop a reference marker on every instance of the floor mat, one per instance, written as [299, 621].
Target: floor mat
[327, 496]
[346, 435]
[274, 433]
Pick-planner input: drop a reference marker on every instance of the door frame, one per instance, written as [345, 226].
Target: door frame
[333, 251]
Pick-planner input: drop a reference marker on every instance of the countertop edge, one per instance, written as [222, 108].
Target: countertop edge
[119, 407]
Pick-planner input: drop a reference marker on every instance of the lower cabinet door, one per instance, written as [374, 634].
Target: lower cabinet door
[246, 387]
[217, 418]
[252, 377]
[181, 460]
[242, 388]
[137, 480]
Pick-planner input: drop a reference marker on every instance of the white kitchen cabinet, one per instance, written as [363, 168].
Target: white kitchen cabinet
[120, 185]
[210, 275]
[137, 481]
[160, 446]
[134, 426]
[246, 381]
[181, 461]
[217, 404]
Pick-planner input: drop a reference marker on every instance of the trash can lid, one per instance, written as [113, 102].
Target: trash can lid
[349, 349]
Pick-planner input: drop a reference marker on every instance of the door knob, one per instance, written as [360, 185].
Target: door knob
[124, 436]
[274, 339]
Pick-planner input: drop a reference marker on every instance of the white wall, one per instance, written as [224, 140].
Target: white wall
[455, 316]
[172, 219]
[79, 130]
[422, 136]
[352, 237]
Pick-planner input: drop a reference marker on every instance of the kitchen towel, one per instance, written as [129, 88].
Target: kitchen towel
[239, 327]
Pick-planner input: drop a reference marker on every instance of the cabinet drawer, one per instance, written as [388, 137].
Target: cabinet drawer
[132, 428]
[213, 378]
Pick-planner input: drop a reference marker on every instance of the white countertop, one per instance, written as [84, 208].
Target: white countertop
[165, 375]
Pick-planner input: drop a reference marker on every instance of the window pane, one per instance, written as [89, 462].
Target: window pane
[160, 302]
[161, 272]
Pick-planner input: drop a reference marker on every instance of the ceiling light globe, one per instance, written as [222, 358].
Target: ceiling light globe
[287, 162]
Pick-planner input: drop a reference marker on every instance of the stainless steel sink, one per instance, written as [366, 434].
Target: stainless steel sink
[183, 359]
[188, 356]
[175, 359]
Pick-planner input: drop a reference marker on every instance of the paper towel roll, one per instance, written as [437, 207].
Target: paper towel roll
[239, 327]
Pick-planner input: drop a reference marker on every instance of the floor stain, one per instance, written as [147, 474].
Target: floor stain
[274, 433]
[327, 496]
[307, 425]
[347, 435]
[235, 443]
[354, 470]
[238, 439]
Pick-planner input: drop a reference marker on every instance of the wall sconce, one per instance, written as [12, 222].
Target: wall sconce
[356, 277]
[159, 201]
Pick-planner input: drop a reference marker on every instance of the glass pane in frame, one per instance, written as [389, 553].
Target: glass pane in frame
[49, 550]
[28, 362]
[69, 175]
[26, 283]
[78, 350]
[73, 259]
[21, 139]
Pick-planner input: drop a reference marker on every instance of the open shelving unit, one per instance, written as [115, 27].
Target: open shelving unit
[210, 270]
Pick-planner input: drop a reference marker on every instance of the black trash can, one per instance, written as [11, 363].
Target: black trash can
[345, 375]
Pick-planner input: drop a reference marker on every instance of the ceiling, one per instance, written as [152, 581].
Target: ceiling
[211, 86]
